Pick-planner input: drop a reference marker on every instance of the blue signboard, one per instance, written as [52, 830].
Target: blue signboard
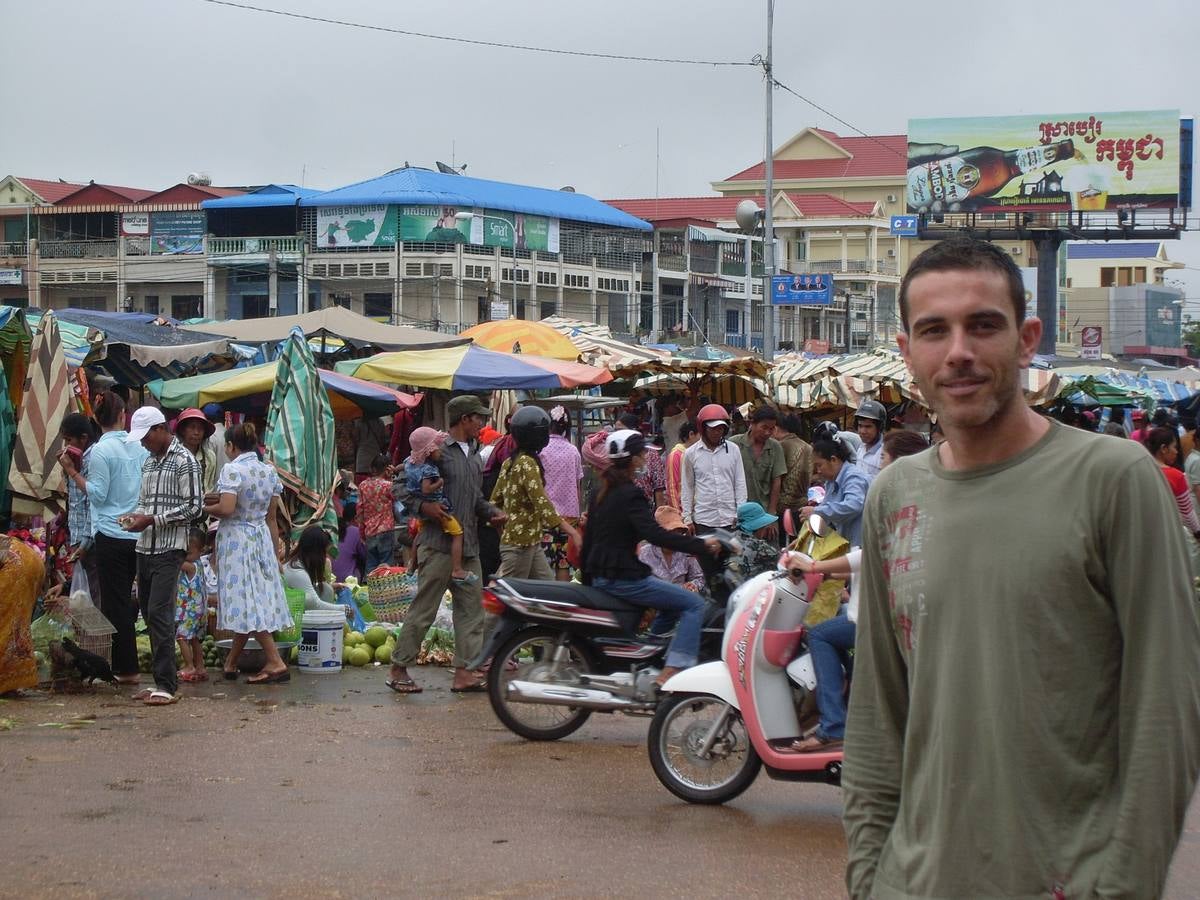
[903, 226]
[801, 290]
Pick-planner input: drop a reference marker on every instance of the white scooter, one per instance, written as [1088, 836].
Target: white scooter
[720, 722]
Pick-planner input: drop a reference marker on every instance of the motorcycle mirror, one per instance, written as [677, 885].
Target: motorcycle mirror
[818, 525]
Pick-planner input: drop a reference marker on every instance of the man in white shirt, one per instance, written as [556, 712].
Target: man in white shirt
[869, 421]
[714, 480]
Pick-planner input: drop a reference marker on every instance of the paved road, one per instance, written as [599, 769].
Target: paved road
[333, 786]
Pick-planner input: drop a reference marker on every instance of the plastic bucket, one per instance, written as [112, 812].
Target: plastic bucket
[321, 641]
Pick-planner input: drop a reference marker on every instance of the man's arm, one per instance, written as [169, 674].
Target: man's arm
[773, 503]
[1159, 699]
[739, 478]
[686, 487]
[875, 722]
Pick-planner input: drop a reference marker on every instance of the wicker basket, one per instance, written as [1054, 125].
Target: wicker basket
[391, 592]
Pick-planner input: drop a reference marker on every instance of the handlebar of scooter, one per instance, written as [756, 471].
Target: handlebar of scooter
[730, 545]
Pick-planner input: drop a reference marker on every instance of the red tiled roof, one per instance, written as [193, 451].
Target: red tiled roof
[50, 191]
[714, 209]
[878, 155]
[185, 193]
[104, 193]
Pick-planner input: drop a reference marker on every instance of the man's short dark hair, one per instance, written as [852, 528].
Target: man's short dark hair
[686, 430]
[958, 254]
[764, 414]
[793, 423]
[629, 420]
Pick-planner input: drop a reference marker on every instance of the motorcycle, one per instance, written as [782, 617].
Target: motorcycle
[561, 651]
[719, 723]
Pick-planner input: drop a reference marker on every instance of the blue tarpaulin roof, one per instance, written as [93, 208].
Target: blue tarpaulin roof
[423, 187]
[1114, 250]
[271, 195]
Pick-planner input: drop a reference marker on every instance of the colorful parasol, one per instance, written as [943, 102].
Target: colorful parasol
[521, 336]
[248, 390]
[471, 368]
[36, 479]
[300, 440]
[597, 346]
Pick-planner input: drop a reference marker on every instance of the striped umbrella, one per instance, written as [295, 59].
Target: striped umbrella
[35, 478]
[521, 336]
[300, 441]
[598, 347]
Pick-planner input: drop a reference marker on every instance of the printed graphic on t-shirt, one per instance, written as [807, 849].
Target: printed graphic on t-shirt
[904, 571]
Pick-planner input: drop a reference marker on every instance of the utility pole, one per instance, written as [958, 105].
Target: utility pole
[768, 350]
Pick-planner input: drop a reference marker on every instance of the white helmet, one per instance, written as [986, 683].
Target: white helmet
[624, 443]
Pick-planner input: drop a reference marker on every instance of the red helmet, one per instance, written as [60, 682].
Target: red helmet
[713, 414]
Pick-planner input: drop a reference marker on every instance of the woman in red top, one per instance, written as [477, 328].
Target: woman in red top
[1163, 444]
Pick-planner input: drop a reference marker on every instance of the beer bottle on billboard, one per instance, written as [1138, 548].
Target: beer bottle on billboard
[977, 173]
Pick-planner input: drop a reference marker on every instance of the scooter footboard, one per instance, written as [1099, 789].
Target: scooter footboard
[708, 678]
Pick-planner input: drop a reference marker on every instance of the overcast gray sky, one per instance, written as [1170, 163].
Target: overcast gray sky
[142, 92]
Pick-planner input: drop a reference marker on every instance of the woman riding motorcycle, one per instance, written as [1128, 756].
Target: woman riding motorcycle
[619, 516]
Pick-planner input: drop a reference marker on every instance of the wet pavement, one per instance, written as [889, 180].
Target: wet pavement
[334, 786]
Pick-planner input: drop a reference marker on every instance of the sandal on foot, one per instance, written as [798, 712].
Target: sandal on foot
[270, 677]
[143, 694]
[160, 698]
[816, 743]
[404, 686]
[192, 677]
[475, 687]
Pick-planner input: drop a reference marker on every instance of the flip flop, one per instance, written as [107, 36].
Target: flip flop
[268, 678]
[816, 744]
[160, 698]
[404, 686]
[129, 680]
[193, 677]
[143, 694]
[229, 676]
[476, 688]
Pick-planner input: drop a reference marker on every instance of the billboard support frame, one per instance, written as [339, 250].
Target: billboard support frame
[1048, 240]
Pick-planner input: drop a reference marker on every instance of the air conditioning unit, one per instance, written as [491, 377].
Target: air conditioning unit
[1016, 251]
[892, 198]
[891, 254]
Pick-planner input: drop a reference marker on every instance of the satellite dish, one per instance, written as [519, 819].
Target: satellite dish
[747, 215]
[447, 169]
[567, 188]
[199, 179]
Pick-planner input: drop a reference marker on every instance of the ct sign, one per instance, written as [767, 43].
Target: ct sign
[903, 226]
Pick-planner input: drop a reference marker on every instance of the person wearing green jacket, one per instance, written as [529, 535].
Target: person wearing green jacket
[1024, 720]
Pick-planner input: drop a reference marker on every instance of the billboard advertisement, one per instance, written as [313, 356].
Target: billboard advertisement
[1055, 163]
[135, 224]
[801, 290]
[381, 225]
[177, 232]
[356, 226]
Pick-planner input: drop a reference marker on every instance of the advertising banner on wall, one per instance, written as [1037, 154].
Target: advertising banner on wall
[1091, 341]
[177, 232]
[1088, 161]
[12, 276]
[356, 226]
[135, 224]
[801, 290]
[495, 229]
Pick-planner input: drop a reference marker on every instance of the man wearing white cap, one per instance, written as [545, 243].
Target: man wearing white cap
[169, 504]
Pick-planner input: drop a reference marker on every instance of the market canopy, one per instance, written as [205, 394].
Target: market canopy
[521, 336]
[598, 347]
[471, 368]
[694, 370]
[248, 390]
[332, 320]
[150, 340]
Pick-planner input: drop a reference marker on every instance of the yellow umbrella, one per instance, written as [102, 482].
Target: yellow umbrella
[521, 336]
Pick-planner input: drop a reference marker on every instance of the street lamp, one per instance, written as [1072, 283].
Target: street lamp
[465, 216]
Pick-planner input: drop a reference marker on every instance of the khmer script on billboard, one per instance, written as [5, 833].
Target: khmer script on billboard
[1078, 161]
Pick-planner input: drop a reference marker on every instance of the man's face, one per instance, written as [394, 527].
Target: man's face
[964, 347]
[714, 435]
[157, 439]
[760, 431]
[868, 430]
[473, 424]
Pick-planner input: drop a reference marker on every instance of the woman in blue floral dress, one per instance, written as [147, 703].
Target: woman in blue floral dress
[252, 602]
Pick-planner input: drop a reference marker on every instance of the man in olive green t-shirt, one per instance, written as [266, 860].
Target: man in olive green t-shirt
[764, 463]
[1024, 720]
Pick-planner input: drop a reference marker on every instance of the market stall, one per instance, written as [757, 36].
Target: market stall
[35, 478]
[733, 380]
[248, 390]
[598, 347]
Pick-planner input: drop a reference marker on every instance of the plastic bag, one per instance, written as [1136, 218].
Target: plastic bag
[81, 590]
[295, 602]
[50, 627]
[346, 597]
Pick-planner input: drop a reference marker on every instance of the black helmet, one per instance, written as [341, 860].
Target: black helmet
[530, 428]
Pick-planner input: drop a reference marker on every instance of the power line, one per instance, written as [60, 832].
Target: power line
[478, 43]
[779, 84]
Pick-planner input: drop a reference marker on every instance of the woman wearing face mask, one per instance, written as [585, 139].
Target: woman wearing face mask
[619, 516]
[845, 489]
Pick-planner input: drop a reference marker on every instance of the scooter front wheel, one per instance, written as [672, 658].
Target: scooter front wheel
[529, 655]
[682, 726]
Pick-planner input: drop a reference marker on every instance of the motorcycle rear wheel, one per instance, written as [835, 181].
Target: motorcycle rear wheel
[680, 724]
[529, 650]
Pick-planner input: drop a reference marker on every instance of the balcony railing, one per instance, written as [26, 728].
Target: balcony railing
[14, 248]
[78, 249]
[227, 246]
[851, 266]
